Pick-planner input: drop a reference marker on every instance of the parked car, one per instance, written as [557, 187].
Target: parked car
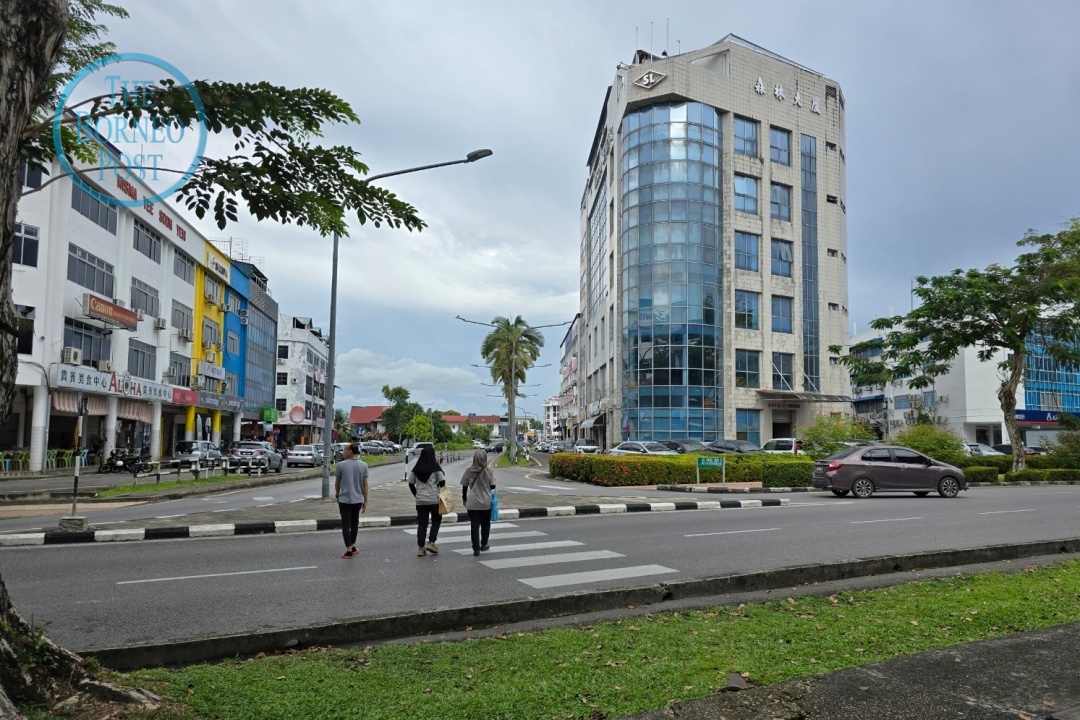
[783, 446]
[370, 447]
[641, 448]
[495, 447]
[586, 446]
[862, 471]
[197, 452]
[257, 454]
[562, 446]
[310, 455]
[733, 446]
[979, 450]
[1006, 449]
[686, 446]
[478, 444]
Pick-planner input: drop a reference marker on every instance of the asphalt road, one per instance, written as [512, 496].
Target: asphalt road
[102, 595]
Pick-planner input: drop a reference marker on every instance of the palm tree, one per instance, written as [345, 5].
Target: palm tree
[510, 350]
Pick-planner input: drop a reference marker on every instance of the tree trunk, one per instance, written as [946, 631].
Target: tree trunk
[1007, 398]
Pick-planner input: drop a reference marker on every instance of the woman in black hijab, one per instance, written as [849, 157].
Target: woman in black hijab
[425, 479]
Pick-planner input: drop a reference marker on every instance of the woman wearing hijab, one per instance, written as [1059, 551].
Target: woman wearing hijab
[476, 486]
[425, 479]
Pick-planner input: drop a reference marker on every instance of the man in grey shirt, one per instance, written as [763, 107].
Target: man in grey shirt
[351, 491]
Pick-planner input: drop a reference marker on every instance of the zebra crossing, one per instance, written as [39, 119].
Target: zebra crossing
[531, 554]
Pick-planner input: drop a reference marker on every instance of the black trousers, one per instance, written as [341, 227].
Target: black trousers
[350, 521]
[479, 527]
[423, 512]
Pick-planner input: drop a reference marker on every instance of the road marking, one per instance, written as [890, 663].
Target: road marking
[579, 578]
[521, 489]
[731, 532]
[554, 487]
[1002, 512]
[222, 510]
[166, 517]
[261, 499]
[550, 559]
[313, 497]
[525, 546]
[866, 522]
[1060, 492]
[461, 528]
[810, 504]
[216, 502]
[495, 536]
[214, 575]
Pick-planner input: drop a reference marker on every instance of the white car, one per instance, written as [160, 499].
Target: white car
[641, 448]
[310, 455]
[783, 446]
[978, 449]
[586, 447]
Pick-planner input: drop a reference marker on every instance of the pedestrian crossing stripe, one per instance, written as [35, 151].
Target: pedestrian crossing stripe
[525, 546]
[494, 536]
[461, 528]
[580, 578]
[531, 560]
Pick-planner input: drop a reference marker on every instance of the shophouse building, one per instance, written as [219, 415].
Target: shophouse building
[300, 390]
[713, 249]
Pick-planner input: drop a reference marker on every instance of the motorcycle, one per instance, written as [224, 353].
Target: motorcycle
[113, 463]
[119, 461]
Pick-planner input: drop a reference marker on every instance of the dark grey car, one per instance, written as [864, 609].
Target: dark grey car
[862, 471]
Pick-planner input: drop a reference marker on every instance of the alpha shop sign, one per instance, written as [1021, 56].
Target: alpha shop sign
[121, 384]
[101, 309]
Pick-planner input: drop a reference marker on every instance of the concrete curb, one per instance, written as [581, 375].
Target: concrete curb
[55, 537]
[385, 627]
[720, 489]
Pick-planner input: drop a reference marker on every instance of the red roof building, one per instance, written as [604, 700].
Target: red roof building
[367, 420]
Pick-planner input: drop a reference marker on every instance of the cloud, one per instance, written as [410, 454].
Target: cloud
[362, 374]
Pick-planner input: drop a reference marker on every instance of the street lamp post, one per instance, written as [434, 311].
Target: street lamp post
[328, 425]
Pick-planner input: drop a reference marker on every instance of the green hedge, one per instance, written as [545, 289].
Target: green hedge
[1051, 462]
[1003, 463]
[1056, 475]
[977, 473]
[628, 470]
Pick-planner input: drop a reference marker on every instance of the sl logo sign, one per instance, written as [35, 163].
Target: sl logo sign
[650, 79]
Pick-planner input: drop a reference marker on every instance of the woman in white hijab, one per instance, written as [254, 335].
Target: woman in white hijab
[476, 485]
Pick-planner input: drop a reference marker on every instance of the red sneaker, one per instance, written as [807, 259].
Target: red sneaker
[350, 554]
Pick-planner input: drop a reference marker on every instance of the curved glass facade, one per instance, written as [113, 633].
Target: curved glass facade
[671, 272]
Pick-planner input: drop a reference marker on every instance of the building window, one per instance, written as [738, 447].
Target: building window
[902, 402]
[834, 361]
[747, 368]
[103, 214]
[748, 426]
[142, 360]
[746, 194]
[783, 373]
[90, 271]
[211, 332]
[746, 251]
[145, 298]
[184, 267]
[25, 249]
[283, 351]
[231, 386]
[832, 253]
[24, 323]
[180, 369]
[183, 317]
[747, 310]
[745, 137]
[309, 385]
[929, 398]
[780, 202]
[30, 176]
[212, 289]
[147, 242]
[95, 345]
[781, 313]
[835, 307]
[282, 404]
[232, 343]
[783, 258]
[283, 378]
[780, 146]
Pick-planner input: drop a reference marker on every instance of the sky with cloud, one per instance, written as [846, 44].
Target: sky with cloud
[961, 135]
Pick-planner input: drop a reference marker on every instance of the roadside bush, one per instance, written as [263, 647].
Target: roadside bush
[1028, 476]
[623, 470]
[1064, 475]
[1003, 463]
[568, 465]
[823, 435]
[977, 473]
[938, 443]
[787, 474]
[1052, 462]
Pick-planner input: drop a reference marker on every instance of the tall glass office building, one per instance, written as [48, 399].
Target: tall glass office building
[713, 250]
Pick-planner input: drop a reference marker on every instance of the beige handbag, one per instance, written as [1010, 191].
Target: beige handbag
[446, 501]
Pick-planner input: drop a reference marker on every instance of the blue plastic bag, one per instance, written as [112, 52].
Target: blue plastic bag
[494, 506]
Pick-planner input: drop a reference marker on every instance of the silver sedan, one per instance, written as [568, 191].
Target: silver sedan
[641, 448]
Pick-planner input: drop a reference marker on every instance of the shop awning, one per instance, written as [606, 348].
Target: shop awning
[134, 410]
[594, 420]
[868, 398]
[802, 396]
[65, 402]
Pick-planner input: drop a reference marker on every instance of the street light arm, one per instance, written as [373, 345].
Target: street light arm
[472, 157]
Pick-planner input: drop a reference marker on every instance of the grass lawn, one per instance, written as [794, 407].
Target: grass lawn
[522, 461]
[616, 668]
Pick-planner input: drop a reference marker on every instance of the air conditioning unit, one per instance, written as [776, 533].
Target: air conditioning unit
[185, 334]
[160, 324]
[104, 365]
[243, 313]
[72, 356]
[210, 357]
[223, 306]
[142, 314]
[118, 301]
[195, 384]
[207, 344]
[210, 296]
[282, 361]
[167, 377]
[243, 319]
